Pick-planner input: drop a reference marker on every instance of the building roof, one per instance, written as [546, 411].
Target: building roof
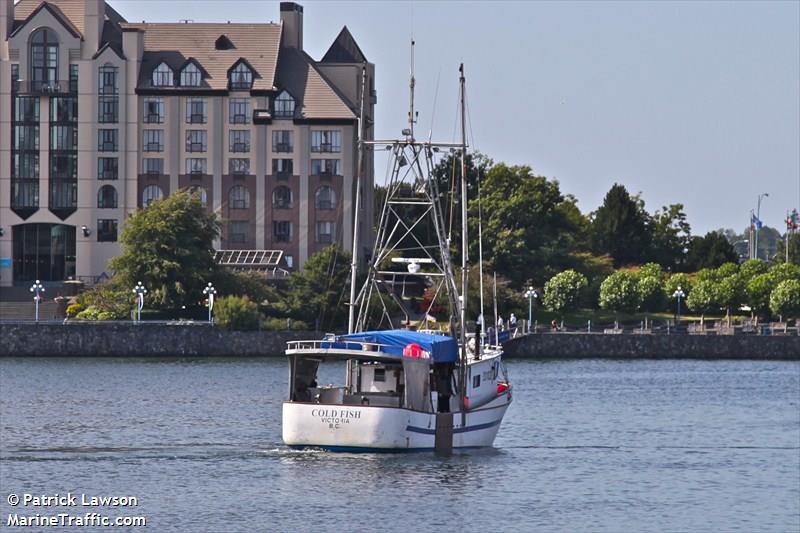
[175, 43]
[344, 50]
[71, 10]
[319, 99]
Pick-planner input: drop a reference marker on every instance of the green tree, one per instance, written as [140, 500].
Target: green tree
[785, 299]
[529, 227]
[794, 249]
[620, 228]
[752, 268]
[237, 313]
[619, 292]
[319, 291]
[563, 291]
[678, 280]
[671, 235]
[703, 298]
[757, 293]
[729, 293]
[710, 251]
[168, 246]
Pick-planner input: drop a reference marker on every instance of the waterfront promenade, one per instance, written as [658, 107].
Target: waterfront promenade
[199, 339]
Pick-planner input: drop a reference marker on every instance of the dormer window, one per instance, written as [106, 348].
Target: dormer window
[241, 77]
[223, 43]
[162, 76]
[190, 76]
[284, 106]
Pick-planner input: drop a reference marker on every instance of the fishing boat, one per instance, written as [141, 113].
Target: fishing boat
[437, 388]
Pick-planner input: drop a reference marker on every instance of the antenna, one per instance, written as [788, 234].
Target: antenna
[411, 84]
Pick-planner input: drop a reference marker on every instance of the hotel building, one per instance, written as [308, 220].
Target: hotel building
[100, 117]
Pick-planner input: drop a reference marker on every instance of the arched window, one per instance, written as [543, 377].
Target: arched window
[162, 76]
[282, 197]
[202, 194]
[107, 197]
[44, 58]
[150, 194]
[239, 197]
[325, 198]
[190, 76]
[284, 105]
[241, 77]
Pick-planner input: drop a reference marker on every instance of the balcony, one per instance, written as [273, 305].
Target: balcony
[197, 118]
[325, 174]
[153, 118]
[196, 173]
[195, 147]
[282, 147]
[107, 89]
[108, 174]
[240, 85]
[153, 147]
[239, 119]
[154, 171]
[108, 146]
[325, 147]
[262, 116]
[108, 118]
[44, 88]
[240, 147]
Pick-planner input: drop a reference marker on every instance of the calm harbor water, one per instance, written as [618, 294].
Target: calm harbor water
[607, 446]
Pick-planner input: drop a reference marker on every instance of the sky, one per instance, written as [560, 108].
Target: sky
[684, 102]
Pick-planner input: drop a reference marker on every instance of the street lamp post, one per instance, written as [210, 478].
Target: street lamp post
[530, 295]
[37, 289]
[140, 291]
[758, 223]
[678, 294]
[210, 291]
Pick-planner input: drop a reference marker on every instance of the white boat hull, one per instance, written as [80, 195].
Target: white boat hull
[372, 428]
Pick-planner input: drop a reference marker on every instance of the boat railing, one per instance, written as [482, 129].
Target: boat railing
[336, 344]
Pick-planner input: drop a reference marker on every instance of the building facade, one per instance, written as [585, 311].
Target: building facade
[99, 117]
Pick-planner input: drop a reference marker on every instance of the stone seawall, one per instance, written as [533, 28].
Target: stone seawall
[200, 340]
[589, 345]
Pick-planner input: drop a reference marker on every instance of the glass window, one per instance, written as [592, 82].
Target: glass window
[239, 140]
[107, 230]
[284, 106]
[281, 140]
[25, 137]
[196, 141]
[325, 167]
[239, 111]
[153, 110]
[107, 168]
[107, 197]
[14, 77]
[239, 166]
[239, 197]
[282, 197]
[153, 165]
[153, 140]
[202, 195]
[281, 230]
[108, 109]
[63, 109]
[325, 198]
[326, 141]
[238, 231]
[196, 165]
[106, 140]
[196, 110]
[325, 232]
[63, 195]
[25, 165]
[107, 79]
[63, 166]
[44, 59]
[190, 76]
[162, 76]
[63, 138]
[73, 78]
[150, 194]
[26, 109]
[241, 78]
[282, 166]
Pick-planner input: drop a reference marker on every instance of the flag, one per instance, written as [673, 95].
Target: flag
[793, 221]
[755, 222]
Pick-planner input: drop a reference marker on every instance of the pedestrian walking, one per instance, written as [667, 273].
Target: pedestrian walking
[512, 325]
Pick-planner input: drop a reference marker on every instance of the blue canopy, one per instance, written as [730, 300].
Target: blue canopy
[441, 348]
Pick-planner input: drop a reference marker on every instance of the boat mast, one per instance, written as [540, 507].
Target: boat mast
[411, 85]
[480, 267]
[464, 243]
[359, 171]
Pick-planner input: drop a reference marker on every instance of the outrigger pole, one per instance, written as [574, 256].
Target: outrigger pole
[357, 208]
[464, 244]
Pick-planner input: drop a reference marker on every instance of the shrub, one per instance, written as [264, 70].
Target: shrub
[619, 292]
[237, 313]
[73, 310]
[563, 291]
[785, 299]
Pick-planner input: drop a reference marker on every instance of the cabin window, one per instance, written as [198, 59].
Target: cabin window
[380, 374]
[476, 381]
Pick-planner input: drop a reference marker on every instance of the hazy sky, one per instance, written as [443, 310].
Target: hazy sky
[688, 102]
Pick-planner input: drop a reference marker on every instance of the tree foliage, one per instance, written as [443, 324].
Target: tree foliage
[620, 228]
[237, 313]
[671, 236]
[619, 292]
[785, 298]
[710, 251]
[703, 298]
[168, 246]
[563, 291]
